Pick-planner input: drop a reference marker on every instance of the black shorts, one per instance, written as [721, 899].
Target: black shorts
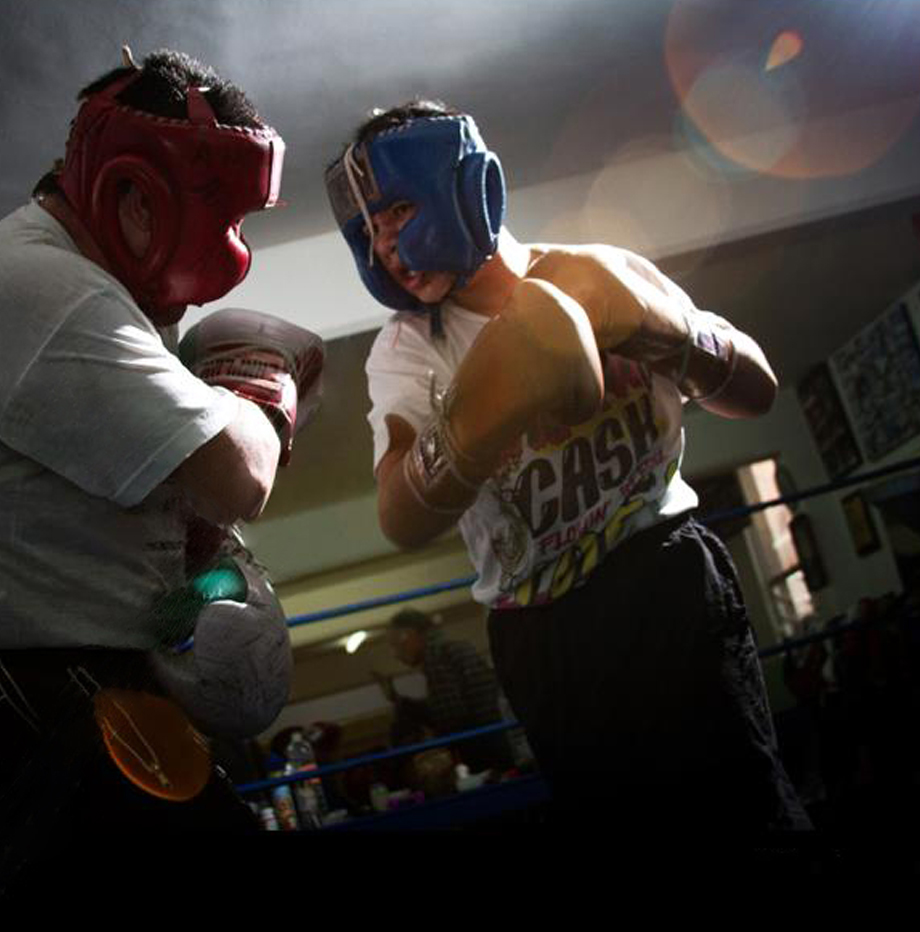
[642, 695]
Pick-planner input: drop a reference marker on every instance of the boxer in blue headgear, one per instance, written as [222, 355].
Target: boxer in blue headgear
[544, 419]
[439, 164]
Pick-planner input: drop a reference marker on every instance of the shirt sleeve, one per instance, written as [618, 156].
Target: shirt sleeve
[103, 403]
[399, 370]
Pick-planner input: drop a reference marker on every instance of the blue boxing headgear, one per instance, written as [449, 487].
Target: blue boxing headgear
[441, 165]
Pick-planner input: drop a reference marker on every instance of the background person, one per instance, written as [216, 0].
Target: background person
[462, 691]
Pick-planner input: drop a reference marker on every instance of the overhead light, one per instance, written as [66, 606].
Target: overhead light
[355, 641]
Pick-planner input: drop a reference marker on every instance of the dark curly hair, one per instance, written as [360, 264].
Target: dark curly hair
[412, 618]
[417, 108]
[161, 88]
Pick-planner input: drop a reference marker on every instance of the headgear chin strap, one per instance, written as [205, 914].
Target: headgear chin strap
[442, 166]
[199, 178]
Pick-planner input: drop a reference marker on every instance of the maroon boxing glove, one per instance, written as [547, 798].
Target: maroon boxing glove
[271, 362]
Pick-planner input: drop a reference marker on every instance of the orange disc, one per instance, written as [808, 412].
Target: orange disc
[153, 743]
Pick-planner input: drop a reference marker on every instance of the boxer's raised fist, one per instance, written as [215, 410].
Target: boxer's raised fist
[538, 357]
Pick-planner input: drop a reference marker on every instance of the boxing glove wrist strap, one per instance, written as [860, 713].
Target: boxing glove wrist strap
[433, 472]
[710, 357]
[437, 472]
[706, 362]
[261, 377]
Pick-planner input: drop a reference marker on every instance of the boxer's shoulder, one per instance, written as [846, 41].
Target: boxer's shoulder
[581, 271]
[550, 258]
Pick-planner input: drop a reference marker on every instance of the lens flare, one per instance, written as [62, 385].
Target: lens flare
[853, 91]
[786, 46]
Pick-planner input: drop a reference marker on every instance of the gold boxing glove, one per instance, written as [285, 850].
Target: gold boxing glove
[537, 357]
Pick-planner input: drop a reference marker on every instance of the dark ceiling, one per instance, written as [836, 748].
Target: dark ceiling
[560, 88]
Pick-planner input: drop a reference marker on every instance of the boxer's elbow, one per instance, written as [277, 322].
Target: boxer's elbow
[751, 390]
[230, 478]
[763, 394]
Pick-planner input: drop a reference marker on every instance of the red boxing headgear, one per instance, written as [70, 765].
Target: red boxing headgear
[200, 179]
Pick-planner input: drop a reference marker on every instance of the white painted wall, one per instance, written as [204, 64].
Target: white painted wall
[347, 705]
[714, 443]
[657, 201]
[650, 198]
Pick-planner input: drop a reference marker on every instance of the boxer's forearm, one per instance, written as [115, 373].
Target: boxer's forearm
[720, 368]
[231, 476]
[404, 519]
[637, 312]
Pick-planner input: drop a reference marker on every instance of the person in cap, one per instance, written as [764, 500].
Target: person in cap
[126, 461]
[532, 395]
[462, 692]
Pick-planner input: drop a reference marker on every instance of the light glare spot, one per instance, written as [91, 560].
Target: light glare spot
[786, 46]
[355, 641]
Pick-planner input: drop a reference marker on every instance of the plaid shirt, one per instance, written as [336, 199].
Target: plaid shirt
[462, 689]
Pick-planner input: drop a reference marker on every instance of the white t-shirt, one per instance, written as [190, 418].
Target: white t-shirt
[561, 500]
[95, 413]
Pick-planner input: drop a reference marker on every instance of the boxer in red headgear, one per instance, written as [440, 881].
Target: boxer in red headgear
[123, 468]
[197, 179]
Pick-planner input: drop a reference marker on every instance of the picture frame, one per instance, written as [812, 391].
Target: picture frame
[879, 376]
[859, 520]
[810, 559]
[827, 420]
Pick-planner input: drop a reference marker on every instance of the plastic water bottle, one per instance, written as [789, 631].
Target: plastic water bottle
[266, 814]
[308, 794]
[283, 802]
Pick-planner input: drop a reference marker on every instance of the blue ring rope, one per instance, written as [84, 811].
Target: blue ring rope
[466, 581]
[461, 582]
[786, 646]
[507, 724]
[378, 756]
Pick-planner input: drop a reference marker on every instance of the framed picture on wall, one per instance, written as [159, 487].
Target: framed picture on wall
[879, 375]
[862, 528]
[828, 422]
[810, 559]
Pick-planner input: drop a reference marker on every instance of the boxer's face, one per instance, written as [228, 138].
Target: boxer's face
[408, 646]
[136, 222]
[428, 287]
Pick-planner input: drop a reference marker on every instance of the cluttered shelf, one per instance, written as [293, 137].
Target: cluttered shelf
[424, 784]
